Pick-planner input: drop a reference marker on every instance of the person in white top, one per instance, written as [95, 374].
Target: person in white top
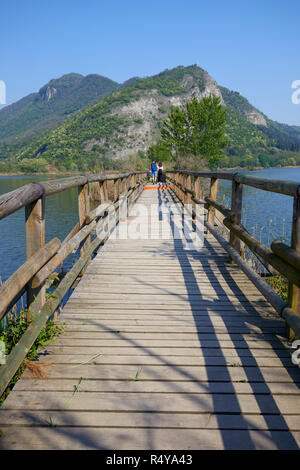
[160, 173]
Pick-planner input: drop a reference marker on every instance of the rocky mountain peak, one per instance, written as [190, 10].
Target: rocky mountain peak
[48, 93]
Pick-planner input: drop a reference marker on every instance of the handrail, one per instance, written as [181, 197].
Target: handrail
[21, 197]
[11, 288]
[285, 259]
[289, 188]
[42, 260]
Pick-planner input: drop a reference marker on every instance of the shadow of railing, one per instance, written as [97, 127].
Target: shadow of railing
[267, 408]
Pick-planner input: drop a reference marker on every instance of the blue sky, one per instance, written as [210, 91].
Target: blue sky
[249, 46]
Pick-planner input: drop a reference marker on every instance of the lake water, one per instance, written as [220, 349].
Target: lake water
[266, 215]
[61, 216]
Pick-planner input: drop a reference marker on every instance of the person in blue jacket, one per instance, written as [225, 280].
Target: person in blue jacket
[154, 171]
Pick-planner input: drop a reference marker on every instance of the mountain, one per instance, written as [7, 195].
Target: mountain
[54, 102]
[256, 140]
[128, 120]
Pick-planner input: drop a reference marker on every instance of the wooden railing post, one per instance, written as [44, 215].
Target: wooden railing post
[83, 210]
[293, 290]
[181, 193]
[188, 185]
[128, 181]
[105, 191]
[196, 194]
[213, 191]
[116, 189]
[184, 194]
[197, 187]
[123, 185]
[119, 187]
[236, 208]
[178, 188]
[35, 239]
[174, 185]
[101, 192]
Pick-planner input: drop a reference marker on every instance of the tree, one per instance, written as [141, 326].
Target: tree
[197, 130]
[33, 165]
[159, 151]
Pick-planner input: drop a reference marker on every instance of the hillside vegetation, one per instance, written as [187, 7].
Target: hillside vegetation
[52, 104]
[127, 121]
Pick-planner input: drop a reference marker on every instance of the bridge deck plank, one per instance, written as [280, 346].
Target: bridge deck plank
[170, 348]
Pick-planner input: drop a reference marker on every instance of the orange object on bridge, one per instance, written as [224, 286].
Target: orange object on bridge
[158, 187]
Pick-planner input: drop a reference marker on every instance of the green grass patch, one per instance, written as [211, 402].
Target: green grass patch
[280, 286]
[11, 335]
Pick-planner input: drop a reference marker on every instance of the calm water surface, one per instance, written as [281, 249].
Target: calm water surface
[61, 216]
[266, 215]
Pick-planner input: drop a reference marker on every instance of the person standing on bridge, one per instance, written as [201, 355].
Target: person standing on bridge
[154, 171]
[160, 173]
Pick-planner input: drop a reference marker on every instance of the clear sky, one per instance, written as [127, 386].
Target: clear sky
[249, 46]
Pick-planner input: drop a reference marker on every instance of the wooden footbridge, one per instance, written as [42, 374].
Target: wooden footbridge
[171, 341]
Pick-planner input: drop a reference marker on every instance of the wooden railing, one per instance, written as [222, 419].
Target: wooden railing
[42, 260]
[281, 258]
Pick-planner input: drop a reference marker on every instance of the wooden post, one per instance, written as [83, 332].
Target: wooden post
[180, 192]
[35, 239]
[101, 192]
[117, 194]
[294, 291]
[110, 190]
[183, 182]
[188, 196]
[83, 210]
[177, 188]
[188, 185]
[105, 191]
[173, 185]
[236, 208]
[119, 187]
[213, 195]
[197, 187]
[116, 189]
[128, 181]
[197, 194]
[95, 191]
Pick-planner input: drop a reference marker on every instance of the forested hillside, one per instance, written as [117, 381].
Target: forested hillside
[52, 104]
[127, 121]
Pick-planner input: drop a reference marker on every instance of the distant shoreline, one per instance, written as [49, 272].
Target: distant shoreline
[73, 173]
[261, 168]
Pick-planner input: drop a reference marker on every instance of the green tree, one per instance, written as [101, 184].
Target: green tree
[159, 151]
[33, 165]
[198, 130]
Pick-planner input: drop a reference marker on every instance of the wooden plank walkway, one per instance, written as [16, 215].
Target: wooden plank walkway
[169, 348]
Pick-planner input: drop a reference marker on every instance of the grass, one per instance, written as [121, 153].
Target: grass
[280, 285]
[137, 375]
[76, 387]
[16, 326]
[51, 423]
[91, 359]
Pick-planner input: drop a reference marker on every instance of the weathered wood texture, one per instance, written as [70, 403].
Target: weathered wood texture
[167, 346]
[212, 195]
[294, 290]
[21, 197]
[14, 285]
[35, 240]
